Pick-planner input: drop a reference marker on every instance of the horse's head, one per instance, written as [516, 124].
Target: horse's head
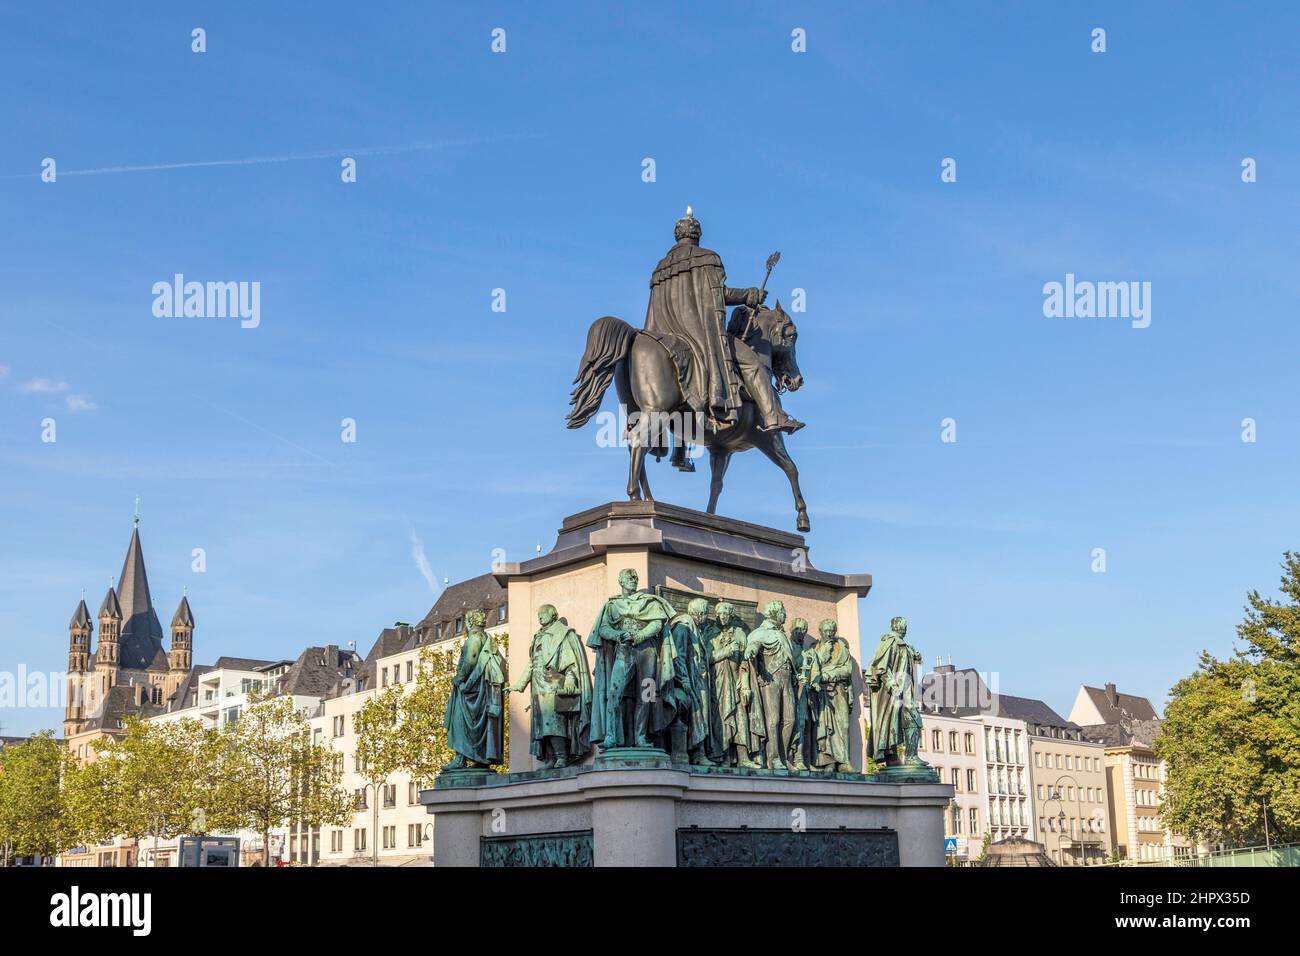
[776, 328]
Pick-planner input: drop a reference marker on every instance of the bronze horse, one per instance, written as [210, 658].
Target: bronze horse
[646, 375]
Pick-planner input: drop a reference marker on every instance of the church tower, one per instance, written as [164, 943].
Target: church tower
[110, 630]
[78, 670]
[181, 657]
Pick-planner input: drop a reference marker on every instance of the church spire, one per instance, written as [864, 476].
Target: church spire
[142, 634]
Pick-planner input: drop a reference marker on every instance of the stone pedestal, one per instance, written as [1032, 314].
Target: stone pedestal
[680, 552]
[635, 806]
[671, 816]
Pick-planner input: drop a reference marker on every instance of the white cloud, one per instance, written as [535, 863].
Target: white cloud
[79, 403]
[422, 562]
[43, 385]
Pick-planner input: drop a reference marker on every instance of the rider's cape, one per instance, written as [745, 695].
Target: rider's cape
[688, 300]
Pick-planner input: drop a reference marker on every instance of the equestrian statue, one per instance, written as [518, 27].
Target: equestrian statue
[693, 376]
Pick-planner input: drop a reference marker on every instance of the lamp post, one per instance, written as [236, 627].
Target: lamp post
[1078, 804]
[374, 849]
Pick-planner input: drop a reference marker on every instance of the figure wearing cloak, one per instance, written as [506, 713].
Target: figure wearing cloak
[474, 716]
[725, 640]
[633, 646]
[561, 692]
[834, 700]
[693, 696]
[688, 299]
[891, 679]
[771, 658]
[807, 685]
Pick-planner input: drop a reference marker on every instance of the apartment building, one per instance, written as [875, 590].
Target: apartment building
[1070, 803]
[1126, 727]
[954, 746]
[390, 826]
[965, 694]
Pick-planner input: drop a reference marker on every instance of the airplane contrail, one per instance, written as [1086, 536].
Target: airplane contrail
[289, 158]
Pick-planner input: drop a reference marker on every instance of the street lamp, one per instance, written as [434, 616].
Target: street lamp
[374, 849]
[1078, 803]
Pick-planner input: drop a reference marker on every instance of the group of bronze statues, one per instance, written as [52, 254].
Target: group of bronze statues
[710, 693]
[704, 690]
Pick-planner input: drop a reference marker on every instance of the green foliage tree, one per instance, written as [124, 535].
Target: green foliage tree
[1231, 734]
[417, 740]
[33, 813]
[167, 775]
[272, 774]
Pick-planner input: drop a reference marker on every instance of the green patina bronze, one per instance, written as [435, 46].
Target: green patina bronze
[831, 700]
[726, 638]
[633, 703]
[474, 718]
[806, 681]
[895, 732]
[560, 705]
[692, 694]
[770, 655]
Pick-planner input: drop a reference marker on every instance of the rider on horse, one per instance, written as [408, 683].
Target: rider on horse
[688, 300]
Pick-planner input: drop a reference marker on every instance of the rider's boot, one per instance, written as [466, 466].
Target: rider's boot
[772, 416]
[679, 459]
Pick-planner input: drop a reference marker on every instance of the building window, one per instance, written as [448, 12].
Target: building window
[501, 614]
[412, 793]
[410, 671]
[437, 631]
[936, 741]
[970, 743]
[336, 841]
[390, 838]
[974, 821]
[971, 781]
[360, 794]
[390, 795]
[460, 625]
[956, 779]
[359, 839]
[952, 741]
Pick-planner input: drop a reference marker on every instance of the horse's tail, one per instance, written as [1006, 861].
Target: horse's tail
[607, 343]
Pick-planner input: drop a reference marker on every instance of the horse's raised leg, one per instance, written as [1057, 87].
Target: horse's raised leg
[772, 444]
[718, 461]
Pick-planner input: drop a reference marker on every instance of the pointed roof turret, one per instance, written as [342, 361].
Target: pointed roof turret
[111, 607]
[142, 634]
[183, 617]
[81, 618]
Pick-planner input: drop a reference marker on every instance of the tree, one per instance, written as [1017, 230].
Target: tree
[166, 778]
[272, 774]
[1231, 734]
[92, 793]
[33, 815]
[380, 746]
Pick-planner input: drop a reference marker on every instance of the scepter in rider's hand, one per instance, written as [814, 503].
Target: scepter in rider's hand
[772, 260]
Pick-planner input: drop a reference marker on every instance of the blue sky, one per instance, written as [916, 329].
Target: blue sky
[522, 171]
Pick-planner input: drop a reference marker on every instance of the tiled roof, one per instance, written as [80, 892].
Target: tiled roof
[963, 693]
[1125, 733]
[318, 670]
[121, 701]
[481, 592]
[1125, 707]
